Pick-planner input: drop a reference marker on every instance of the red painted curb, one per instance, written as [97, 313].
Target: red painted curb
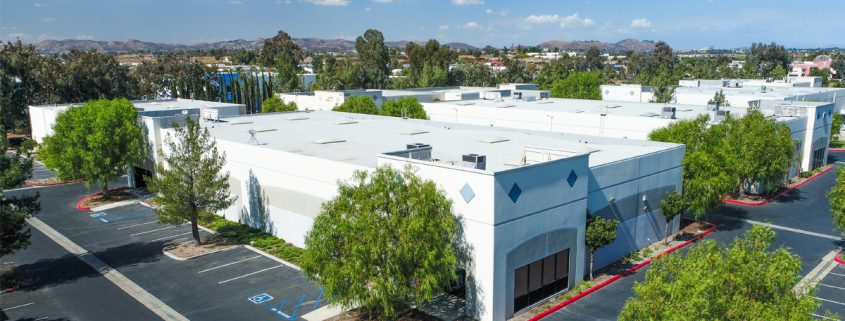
[30, 183]
[764, 202]
[617, 277]
[836, 149]
[81, 207]
[840, 258]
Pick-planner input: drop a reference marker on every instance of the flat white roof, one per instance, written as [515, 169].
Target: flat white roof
[158, 104]
[611, 108]
[359, 139]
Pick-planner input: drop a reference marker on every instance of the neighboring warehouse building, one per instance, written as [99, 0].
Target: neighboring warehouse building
[328, 99]
[523, 196]
[154, 115]
[810, 122]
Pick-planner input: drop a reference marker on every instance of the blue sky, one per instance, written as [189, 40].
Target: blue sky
[684, 24]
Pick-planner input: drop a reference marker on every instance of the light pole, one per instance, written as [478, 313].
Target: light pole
[551, 120]
[456, 114]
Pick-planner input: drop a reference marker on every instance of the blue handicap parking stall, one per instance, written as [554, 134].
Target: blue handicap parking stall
[297, 306]
[261, 298]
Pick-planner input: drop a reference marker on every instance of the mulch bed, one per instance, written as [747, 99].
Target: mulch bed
[50, 181]
[211, 244]
[115, 195]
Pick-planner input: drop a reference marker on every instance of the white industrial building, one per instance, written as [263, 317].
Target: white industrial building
[810, 122]
[738, 92]
[523, 196]
[153, 115]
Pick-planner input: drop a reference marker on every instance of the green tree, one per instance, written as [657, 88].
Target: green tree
[836, 197]
[358, 105]
[778, 72]
[20, 84]
[766, 57]
[823, 73]
[387, 238]
[708, 162]
[433, 76]
[97, 142]
[282, 53]
[374, 57]
[406, 107]
[189, 184]
[663, 85]
[836, 126]
[14, 169]
[671, 206]
[600, 233]
[593, 59]
[578, 85]
[745, 281]
[719, 98]
[274, 105]
[763, 150]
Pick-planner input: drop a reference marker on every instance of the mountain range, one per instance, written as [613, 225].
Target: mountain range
[308, 44]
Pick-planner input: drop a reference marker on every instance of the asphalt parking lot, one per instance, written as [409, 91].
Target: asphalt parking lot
[228, 285]
[801, 219]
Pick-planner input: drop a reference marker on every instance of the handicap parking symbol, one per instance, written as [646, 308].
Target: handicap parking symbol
[261, 298]
[98, 214]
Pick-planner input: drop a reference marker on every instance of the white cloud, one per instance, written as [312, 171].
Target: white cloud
[236, 2]
[575, 21]
[39, 5]
[329, 2]
[472, 25]
[467, 2]
[368, 9]
[17, 35]
[488, 11]
[543, 18]
[640, 23]
[283, 1]
[443, 27]
[503, 12]
[383, 1]
[49, 19]
[84, 37]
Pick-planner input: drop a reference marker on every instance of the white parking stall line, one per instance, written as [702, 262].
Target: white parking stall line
[823, 317]
[227, 264]
[837, 274]
[248, 274]
[136, 225]
[834, 287]
[19, 306]
[795, 230]
[831, 301]
[153, 231]
[167, 237]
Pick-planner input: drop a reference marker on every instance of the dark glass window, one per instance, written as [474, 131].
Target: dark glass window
[540, 279]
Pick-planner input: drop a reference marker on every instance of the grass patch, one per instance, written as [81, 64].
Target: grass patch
[837, 143]
[244, 234]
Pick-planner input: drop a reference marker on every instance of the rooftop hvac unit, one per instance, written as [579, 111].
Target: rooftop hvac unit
[545, 94]
[712, 106]
[474, 161]
[720, 115]
[668, 113]
[419, 151]
[754, 104]
[786, 111]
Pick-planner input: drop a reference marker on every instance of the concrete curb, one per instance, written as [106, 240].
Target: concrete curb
[272, 257]
[767, 201]
[618, 276]
[836, 149]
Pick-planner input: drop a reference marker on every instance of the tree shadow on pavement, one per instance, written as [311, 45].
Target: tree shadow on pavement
[50, 272]
[728, 218]
[4, 317]
[132, 253]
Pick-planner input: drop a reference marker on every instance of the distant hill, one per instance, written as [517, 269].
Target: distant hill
[308, 44]
[623, 45]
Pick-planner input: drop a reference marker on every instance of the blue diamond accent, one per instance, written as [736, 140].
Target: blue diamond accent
[572, 178]
[467, 193]
[515, 192]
